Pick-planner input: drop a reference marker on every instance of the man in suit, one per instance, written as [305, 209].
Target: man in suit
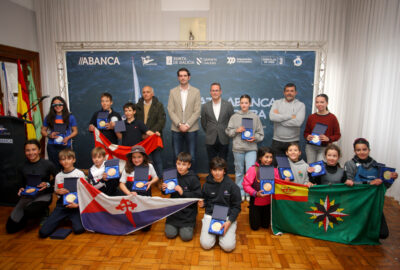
[215, 116]
[184, 105]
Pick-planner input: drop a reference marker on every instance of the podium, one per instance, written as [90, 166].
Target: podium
[12, 139]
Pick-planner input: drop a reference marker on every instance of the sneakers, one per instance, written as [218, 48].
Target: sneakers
[243, 198]
[248, 198]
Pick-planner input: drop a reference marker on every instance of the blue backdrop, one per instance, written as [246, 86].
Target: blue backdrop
[261, 74]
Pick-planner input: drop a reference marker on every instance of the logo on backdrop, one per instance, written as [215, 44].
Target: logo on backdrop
[272, 60]
[98, 61]
[206, 61]
[297, 61]
[230, 60]
[4, 131]
[178, 60]
[148, 61]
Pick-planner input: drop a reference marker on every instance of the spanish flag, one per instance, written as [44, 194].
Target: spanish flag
[285, 190]
[23, 104]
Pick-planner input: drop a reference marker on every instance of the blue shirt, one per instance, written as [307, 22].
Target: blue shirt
[68, 131]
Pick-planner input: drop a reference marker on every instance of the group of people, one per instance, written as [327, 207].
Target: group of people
[220, 124]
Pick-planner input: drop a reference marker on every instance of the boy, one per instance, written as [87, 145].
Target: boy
[219, 189]
[97, 176]
[70, 211]
[184, 221]
[134, 128]
[106, 102]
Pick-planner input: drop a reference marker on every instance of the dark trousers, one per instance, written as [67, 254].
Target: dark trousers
[59, 214]
[384, 232]
[179, 140]
[259, 216]
[52, 152]
[34, 210]
[157, 161]
[217, 150]
[280, 148]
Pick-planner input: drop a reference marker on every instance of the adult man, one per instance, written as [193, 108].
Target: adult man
[152, 113]
[287, 114]
[215, 116]
[184, 105]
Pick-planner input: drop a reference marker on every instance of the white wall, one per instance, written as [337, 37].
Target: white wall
[18, 26]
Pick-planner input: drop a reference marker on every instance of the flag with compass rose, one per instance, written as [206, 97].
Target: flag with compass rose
[349, 215]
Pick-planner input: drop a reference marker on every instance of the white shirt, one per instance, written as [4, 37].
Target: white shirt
[125, 175]
[184, 95]
[216, 109]
[97, 174]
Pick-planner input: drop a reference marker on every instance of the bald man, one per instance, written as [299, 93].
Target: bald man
[152, 113]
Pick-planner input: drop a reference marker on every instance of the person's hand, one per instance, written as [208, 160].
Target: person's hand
[65, 141]
[53, 135]
[104, 176]
[149, 132]
[91, 128]
[287, 179]
[310, 137]
[20, 190]
[42, 185]
[109, 125]
[157, 133]
[133, 193]
[276, 111]
[293, 116]
[72, 205]
[226, 226]
[200, 203]
[260, 194]
[164, 186]
[394, 175]
[309, 184]
[324, 138]
[179, 189]
[252, 139]
[349, 183]
[62, 191]
[183, 127]
[376, 182]
[240, 129]
[310, 169]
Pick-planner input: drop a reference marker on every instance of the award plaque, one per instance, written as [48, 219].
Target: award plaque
[60, 129]
[32, 181]
[219, 215]
[319, 168]
[284, 168]
[71, 185]
[170, 178]
[385, 173]
[267, 182]
[112, 168]
[102, 120]
[141, 178]
[319, 129]
[247, 123]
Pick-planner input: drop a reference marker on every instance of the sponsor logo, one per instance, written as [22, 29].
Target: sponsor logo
[168, 60]
[7, 141]
[178, 60]
[4, 130]
[98, 61]
[272, 60]
[297, 61]
[198, 60]
[230, 60]
[148, 61]
[206, 61]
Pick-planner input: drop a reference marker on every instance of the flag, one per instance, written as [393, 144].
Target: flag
[37, 117]
[9, 83]
[136, 87]
[120, 215]
[338, 213]
[23, 104]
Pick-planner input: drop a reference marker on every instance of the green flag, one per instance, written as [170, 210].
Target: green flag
[349, 215]
[36, 116]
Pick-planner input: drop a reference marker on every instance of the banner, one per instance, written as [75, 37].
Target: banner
[338, 213]
[122, 215]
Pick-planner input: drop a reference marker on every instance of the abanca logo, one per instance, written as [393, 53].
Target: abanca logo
[98, 61]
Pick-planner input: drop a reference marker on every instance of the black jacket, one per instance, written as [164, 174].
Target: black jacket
[186, 217]
[225, 193]
[156, 117]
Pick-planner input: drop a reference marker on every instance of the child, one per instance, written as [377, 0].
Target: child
[96, 175]
[106, 102]
[363, 169]
[134, 128]
[334, 173]
[188, 186]
[219, 189]
[58, 114]
[137, 157]
[260, 204]
[244, 151]
[61, 212]
[299, 167]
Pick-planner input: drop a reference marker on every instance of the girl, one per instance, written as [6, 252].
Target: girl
[137, 157]
[314, 152]
[58, 114]
[299, 167]
[260, 204]
[334, 173]
[35, 206]
[364, 169]
[244, 151]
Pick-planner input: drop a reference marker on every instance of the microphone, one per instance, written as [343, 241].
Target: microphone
[42, 98]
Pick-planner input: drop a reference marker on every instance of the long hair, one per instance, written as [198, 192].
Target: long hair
[262, 151]
[51, 116]
[130, 167]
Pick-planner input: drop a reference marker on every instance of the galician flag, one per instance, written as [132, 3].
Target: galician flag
[349, 215]
[36, 116]
[122, 215]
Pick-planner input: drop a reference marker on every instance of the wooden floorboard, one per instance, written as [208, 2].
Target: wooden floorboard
[151, 250]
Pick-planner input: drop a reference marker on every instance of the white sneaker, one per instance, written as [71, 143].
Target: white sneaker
[243, 198]
[247, 198]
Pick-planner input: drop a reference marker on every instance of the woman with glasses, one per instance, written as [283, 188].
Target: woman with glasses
[59, 127]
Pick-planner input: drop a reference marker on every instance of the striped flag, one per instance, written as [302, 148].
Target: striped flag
[37, 117]
[136, 87]
[121, 215]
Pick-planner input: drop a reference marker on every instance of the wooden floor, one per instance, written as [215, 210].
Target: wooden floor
[151, 250]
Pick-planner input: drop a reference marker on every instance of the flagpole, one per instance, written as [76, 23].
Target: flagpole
[136, 88]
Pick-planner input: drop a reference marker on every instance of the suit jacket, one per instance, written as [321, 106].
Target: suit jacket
[191, 114]
[213, 128]
[156, 117]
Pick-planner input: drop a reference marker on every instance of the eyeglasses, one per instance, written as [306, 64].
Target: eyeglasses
[57, 104]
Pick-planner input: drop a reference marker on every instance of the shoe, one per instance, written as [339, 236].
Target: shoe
[243, 198]
[248, 198]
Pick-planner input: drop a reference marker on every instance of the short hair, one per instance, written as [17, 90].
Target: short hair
[360, 141]
[184, 157]
[216, 83]
[294, 144]
[333, 147]
[66, 153]
[32, 141]
[218, 163]
[183, 69]
[290, 85]
[148, 86]
[130, 105]
[105, 94]
[246, 96]
[98, 151]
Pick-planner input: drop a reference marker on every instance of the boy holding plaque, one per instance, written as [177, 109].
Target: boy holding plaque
[219, 190]
[260, 203]
[70, 210]
[298, 166]
[96, 175]
[106, 123]
[184, 221]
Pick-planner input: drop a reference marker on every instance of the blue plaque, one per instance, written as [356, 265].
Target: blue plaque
[112, 168]
[385, 174]
[247, 123]
[319, 129]
[267, 181]
[171, 179]
[319, 168]
[60, 129]
[141, 178]
[32, 182]
[218, 219]
[70, 184]
[102, 120]
[284, 168]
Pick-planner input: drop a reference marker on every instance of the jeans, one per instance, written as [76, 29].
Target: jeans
[315, 153]
[217, 150]
[179, 139]
[52, 152]
[243, 161]
[157, 161]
